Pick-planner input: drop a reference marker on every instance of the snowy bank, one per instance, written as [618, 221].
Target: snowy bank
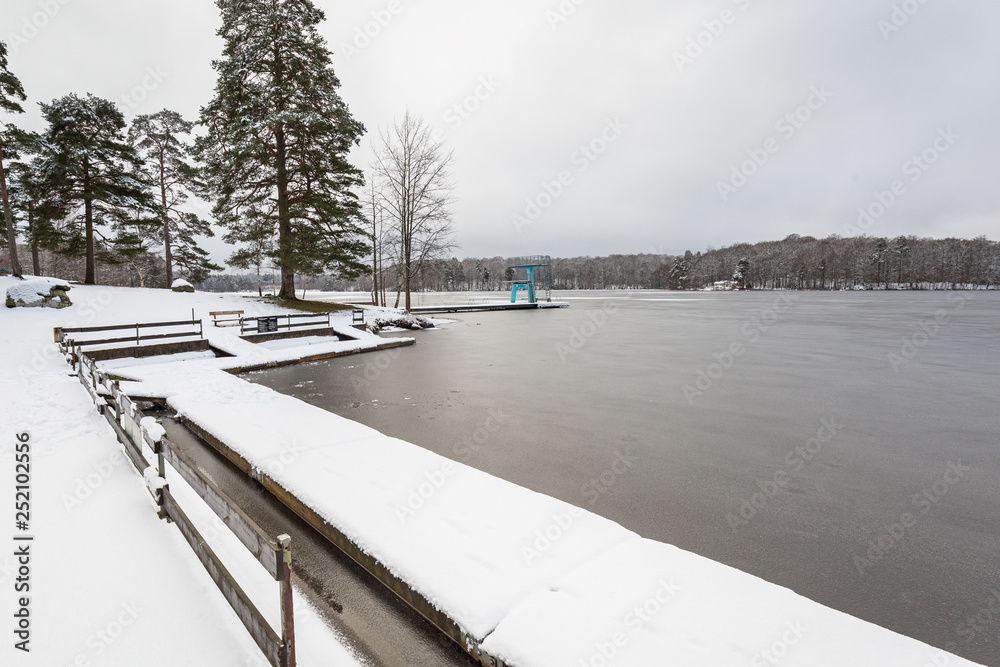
[111, 584]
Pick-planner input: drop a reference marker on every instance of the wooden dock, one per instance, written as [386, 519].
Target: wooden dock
[483, 307]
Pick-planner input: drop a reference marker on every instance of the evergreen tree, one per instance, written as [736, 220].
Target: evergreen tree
[26, 191]
[159, 138]
[877, 258]
[87, 163]
[11, 96]
[742, 274]
[900, 248]
[278, 137]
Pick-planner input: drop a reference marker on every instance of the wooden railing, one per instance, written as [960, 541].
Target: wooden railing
[69, 338]
[274, 555]
[272, 323]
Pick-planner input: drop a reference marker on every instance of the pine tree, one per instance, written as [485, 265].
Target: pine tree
[278, 138]
[11, 95]
[87, 163]
[26, 190]
[877, 258]
[742, 274]
[159, 138]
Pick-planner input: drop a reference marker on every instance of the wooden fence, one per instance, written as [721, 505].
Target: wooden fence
[69, 338]
[271, 323]
[274, 555]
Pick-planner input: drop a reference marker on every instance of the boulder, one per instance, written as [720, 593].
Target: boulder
[181, 285]
[39, 293]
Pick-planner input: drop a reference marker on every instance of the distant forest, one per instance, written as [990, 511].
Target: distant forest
[797, 262]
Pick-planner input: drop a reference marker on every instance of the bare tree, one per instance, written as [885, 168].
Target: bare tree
[414, 181]
[383, 237]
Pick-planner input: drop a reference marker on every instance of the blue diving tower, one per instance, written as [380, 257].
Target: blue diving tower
[542, 264]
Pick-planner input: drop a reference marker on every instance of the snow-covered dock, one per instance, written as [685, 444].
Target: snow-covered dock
[490, 306]
[527, 579]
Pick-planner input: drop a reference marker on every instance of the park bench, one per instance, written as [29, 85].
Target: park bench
[227, 318]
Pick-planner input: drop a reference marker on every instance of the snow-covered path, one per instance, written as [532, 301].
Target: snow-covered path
[111, 584]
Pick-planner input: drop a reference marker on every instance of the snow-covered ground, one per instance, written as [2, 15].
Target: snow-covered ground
[110, 583]
[539, 582]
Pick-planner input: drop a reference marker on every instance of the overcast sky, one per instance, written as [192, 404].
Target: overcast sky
[667, 98]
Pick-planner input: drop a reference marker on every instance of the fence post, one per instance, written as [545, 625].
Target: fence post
[287, 617]
[137, 342]
[162, 472]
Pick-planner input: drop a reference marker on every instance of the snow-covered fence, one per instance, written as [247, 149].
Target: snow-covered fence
[69, 339]
[274, 555]
[270, 323]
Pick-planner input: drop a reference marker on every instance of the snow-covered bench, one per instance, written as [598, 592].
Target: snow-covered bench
[226, 318]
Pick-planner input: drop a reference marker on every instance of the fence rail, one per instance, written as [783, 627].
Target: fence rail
[271, 323]
[69, 343]
[274, 555]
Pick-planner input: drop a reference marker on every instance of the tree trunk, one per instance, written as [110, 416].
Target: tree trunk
[284, 218]
[15, 265]
[166, 223]
[407, 245]
[35, 263]
[91, 272]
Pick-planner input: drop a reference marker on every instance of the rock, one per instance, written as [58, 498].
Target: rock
[181, 285]
[39, 293]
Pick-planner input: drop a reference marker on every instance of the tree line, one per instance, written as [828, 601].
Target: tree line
[270, 161]
[797, 262]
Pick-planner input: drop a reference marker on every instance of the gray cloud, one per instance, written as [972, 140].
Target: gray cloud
[555, 85]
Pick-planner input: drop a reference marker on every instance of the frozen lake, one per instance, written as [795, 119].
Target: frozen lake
[845, 445]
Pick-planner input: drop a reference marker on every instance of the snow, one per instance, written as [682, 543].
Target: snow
[538, 581]
[110, 581]
[33, 291]
[152, 429]
[180, 282]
